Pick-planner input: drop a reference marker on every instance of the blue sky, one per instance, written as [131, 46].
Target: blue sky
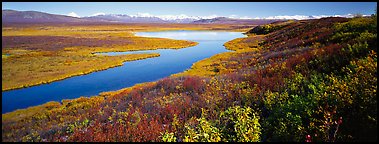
[239, 9]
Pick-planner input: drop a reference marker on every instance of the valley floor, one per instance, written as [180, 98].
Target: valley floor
[39, 54]
[311, 80]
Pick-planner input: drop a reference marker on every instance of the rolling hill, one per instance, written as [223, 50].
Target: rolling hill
[12, 16]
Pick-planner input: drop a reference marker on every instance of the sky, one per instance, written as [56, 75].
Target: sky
[204, 9]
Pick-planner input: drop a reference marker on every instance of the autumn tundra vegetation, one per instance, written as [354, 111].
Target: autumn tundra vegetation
[58, 52]
[51, 52]
[308, 80]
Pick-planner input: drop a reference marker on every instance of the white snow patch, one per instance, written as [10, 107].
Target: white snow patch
[73, 14]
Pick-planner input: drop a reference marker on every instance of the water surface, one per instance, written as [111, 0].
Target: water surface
[171, 61]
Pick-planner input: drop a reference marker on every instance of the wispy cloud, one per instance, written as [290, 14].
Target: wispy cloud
[73, 14]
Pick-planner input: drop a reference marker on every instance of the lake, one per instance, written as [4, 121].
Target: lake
[169, 62]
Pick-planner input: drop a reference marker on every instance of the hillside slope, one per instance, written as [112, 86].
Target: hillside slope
[12, 16]
[35, 17]
[312, 80]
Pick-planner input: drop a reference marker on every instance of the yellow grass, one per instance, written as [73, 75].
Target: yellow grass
[24, 68]
[201, 68]
[44, 67]
[215, 65]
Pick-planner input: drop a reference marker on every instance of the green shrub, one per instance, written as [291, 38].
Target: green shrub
[240, 125]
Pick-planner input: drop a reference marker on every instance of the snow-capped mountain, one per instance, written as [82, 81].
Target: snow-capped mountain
[226, 20]
[304, 17]
[144, 18]
[125, 18]
[179, 18]
[12, 16]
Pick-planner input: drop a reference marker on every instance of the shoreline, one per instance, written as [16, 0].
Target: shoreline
[115, 92]
[191, 44]
[110, 93]
[79, 74]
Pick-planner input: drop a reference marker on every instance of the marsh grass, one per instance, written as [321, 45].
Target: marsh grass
[217, 64]
[33, 55]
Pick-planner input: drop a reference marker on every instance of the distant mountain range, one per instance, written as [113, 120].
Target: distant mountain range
[123, 18]
[13, 16]
[225, 20]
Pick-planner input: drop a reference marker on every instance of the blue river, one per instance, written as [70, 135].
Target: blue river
[169, 62]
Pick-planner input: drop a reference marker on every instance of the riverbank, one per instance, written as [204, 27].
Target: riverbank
[306, 75]
[38, 56]
[169, 62]
[67, 69]
[218, 64]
